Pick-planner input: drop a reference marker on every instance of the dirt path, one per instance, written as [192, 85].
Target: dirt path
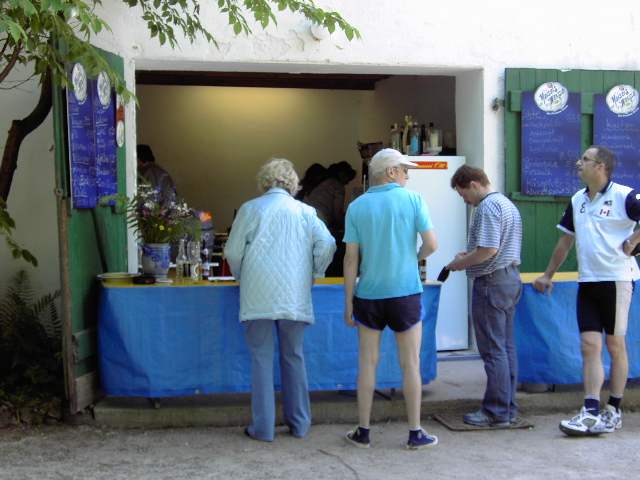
[88, 453]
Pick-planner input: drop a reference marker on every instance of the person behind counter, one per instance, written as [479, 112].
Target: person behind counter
[328, 200]
[155, 175]
[276, 247]
[381, 230]
[314, 175]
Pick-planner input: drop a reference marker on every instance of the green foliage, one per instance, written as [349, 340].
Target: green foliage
[31, 372]
[35, 30]
[155, 221]
[31, 30]
[152, 219]
[7, 225]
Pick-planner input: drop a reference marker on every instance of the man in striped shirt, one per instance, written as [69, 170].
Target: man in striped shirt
[491, 260]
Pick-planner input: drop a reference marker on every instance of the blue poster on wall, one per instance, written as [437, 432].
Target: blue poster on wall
[550, 141]
[104, 115]
[92, 138]
[616, 125]
[81, 140]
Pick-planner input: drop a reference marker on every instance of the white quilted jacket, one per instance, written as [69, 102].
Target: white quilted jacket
[276, 247]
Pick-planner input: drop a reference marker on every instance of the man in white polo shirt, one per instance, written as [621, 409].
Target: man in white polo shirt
[381, 231]
[600, 219]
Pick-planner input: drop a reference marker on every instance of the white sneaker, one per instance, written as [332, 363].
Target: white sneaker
[612, 418]
[583, 424]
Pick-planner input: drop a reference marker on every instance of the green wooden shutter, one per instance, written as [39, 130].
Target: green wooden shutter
[91, 241]
[540, 215]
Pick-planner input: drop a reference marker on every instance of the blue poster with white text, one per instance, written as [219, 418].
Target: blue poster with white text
[550, 147]
[620, 132]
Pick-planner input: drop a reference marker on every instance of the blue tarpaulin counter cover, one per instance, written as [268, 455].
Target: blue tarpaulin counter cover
[548, 340]
[164, 341]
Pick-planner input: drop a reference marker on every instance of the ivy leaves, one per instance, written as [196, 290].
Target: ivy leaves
[7, 225]
[33, 30]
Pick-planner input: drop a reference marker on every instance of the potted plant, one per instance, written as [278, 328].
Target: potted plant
[157, 224]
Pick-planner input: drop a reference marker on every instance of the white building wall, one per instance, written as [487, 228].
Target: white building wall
[31, 202]
[415, 37]
[474, 40]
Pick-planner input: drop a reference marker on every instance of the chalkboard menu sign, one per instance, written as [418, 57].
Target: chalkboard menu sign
[92, 138]
[550, 141]
[616, 125]
[105, 137]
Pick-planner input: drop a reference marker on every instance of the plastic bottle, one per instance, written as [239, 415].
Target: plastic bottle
[414, 140]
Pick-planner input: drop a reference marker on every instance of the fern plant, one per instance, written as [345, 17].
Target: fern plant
[30, 345]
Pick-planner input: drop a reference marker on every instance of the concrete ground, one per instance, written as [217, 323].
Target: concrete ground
[130, 439]
[458, 388]
[91, 453]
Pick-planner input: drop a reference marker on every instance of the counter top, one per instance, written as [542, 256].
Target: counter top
[525, 277]
[223, 283]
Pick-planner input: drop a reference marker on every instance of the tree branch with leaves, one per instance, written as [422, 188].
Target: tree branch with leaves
[49, 34]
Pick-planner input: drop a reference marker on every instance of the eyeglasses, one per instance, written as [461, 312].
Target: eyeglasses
[585, 159]
[400, 167]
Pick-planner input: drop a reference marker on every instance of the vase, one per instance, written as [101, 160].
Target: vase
[155, 259]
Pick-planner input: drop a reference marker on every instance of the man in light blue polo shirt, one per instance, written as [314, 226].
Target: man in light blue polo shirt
[381, 231]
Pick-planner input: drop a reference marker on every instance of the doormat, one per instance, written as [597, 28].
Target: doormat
[454, 422]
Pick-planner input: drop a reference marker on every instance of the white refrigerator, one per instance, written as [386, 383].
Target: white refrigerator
[449, 215]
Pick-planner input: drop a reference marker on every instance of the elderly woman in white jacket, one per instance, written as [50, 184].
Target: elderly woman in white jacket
[276, 248]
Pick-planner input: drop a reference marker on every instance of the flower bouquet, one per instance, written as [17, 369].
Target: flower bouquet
[157, 224]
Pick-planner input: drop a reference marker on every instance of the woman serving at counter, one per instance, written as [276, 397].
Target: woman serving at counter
[276, 247]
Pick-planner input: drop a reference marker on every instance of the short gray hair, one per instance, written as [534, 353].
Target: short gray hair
[278, 172]
[605, 157]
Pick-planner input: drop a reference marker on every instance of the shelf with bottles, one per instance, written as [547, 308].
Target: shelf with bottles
[414, 139]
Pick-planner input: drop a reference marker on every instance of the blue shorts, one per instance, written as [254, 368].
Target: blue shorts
[399, 313]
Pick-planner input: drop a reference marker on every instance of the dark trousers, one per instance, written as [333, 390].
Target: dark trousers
[493, 306]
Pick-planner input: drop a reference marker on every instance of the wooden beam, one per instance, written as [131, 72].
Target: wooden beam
[84, 344]
[259, 79]
[86, 387]
[67, 330]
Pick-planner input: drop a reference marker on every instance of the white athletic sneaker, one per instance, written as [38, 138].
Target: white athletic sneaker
[612, 418]
[583, 424]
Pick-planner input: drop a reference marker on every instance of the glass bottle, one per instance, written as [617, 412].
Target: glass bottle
[140, 272]
[206, 261]
[195, 263]
[182, 263]
[408, 122]
[434, 137]
[396, 137]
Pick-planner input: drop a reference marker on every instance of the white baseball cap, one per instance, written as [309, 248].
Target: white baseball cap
[386, 158]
